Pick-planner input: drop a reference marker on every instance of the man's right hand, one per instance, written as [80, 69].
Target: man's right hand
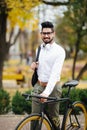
[34, 65]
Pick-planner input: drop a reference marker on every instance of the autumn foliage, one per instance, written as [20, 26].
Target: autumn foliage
[22, 13]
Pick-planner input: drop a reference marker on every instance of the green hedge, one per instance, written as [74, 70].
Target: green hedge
[4, 102]
[20, 105]
[75, 95]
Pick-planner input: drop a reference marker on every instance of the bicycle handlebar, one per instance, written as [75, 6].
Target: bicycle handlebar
[49, 99]
[37, 96]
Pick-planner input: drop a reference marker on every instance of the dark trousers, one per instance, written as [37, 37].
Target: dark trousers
[52, 108]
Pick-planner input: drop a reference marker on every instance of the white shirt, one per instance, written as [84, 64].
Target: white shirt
[50, 60]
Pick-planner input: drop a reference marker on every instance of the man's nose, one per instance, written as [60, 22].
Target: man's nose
[46, 35]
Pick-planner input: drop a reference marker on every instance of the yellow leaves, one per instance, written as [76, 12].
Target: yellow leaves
[33, 24]
[22, 4]
[21, 12]
[13, 3]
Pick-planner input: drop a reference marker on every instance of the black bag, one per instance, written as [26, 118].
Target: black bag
[35, 76]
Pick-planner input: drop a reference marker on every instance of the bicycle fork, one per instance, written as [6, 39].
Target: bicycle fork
[42, 117]
[40, 122]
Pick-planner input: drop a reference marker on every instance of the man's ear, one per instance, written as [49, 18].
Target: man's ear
[54, 32]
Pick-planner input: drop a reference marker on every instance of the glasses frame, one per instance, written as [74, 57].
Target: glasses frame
[46, 33]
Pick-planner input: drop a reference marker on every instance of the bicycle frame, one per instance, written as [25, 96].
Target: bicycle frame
[69, 104]
[44, 112]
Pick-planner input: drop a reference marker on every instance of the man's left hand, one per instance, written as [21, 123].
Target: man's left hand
[43, 99]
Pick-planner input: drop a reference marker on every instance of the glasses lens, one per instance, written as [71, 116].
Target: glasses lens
[46, 33]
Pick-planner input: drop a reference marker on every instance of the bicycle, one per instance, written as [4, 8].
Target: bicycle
[74, 117]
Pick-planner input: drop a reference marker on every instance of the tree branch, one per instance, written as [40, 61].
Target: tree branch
[16, 38]
[11, 34]
[55, 3]
[82, 71]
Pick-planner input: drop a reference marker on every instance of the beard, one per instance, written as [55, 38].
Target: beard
[47, 40]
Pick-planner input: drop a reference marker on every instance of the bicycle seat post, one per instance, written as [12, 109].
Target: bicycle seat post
[68, 93]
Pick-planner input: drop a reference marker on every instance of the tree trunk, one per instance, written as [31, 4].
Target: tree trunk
[3, 19]
[75, 57]
[82, 71]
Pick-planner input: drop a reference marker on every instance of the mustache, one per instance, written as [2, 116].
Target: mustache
[46, 38]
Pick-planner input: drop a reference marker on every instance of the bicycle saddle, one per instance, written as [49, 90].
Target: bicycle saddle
[71, 83]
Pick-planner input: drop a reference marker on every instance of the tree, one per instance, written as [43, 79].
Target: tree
[19, 12]
[75, 27]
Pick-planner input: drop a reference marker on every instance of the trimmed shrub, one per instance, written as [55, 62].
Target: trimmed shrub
[28, 104]
[20, 105]
[83, 96]
[4, 102]
[75, 95]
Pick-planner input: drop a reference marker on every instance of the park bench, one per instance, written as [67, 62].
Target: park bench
[20, 79]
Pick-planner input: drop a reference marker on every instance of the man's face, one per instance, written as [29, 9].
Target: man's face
[47, 35]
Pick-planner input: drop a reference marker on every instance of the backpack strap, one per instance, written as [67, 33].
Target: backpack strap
[39, 48]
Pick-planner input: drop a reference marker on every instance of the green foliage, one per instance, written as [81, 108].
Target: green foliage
[4, 102]
[72, 33]
[73, 22]
[27, 107]
[20, 105]
[65, 33]
[83, 96]
[75, 95]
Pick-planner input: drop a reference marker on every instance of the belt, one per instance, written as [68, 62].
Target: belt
[43, 84]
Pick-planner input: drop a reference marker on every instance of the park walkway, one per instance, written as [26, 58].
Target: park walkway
[9, 122]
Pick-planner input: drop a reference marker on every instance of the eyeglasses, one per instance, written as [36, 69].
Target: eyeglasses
[46, 33]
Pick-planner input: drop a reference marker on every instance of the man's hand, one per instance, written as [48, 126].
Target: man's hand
[34, 65]
[43, 99]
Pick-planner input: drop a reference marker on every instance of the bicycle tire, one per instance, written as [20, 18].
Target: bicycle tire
[71, 123]
[25, 124]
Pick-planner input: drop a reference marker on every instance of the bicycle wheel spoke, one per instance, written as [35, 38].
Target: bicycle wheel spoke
[76, 118]
[77, 122]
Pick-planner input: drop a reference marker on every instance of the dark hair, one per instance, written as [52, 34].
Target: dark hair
[47, 24]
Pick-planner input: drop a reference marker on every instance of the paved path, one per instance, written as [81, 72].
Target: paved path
[9, 122]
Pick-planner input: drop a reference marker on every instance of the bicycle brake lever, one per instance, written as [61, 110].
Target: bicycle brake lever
[26, 96]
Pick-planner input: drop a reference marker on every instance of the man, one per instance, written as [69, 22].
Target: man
[49, 68]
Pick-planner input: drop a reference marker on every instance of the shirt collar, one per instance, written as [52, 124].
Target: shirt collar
[47, 46]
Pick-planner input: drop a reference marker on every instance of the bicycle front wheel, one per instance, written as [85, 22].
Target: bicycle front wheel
[34, 122]
[76, 117]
